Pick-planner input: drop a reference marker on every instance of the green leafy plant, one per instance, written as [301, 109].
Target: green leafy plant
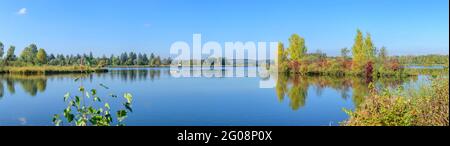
[78, 113]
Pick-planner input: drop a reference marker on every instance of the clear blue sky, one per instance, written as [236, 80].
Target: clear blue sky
[114, 26]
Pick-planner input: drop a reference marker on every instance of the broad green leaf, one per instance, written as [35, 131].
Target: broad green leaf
[67, 111]
[70, 117]
[97, 99]
[92, 110]
[128, 106]
[93, 92]
[80, 122]
[77, 100]
[56, 120]
[81, 89]
[108, 118]
[128, 96]
[66, 96]
[71, 103]
[107, 106]
[121, 115]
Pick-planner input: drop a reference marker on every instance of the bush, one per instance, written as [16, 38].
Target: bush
[404, 108]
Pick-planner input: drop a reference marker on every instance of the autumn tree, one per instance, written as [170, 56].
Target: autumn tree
[358, 51]
[297, 48]
[369, 48]
[281, 54]
[281, 60]
[41, 56]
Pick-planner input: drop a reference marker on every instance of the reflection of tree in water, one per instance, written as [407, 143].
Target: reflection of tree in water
[30, 84]
[281, 86]
[10, 85]
[33, 86]
[2, 90]
[298, 92]
[360, 90]
[136, 74]
[296, 87]
[155, 74]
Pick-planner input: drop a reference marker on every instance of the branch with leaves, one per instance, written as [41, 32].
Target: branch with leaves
[79, 114]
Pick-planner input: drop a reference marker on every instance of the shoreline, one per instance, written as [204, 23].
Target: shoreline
[37, 70]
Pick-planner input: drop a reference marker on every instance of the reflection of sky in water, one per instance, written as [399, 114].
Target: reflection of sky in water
[160, 99]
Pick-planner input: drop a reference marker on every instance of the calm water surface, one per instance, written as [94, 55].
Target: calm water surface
[161, 99]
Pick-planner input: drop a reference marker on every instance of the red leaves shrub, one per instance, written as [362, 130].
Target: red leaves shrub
[294, 65]
[347, 64]
[368, 71]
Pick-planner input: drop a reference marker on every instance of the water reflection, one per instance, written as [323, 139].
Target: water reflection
[34, 84]
[295, 87]
[136, 74]
[30, 84]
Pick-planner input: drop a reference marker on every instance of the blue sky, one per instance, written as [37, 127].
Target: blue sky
[114, 26]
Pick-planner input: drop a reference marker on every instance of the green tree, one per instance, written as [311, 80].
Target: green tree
[151, 60]
[144, 59]
[282, 58]
[41, 56]
[281, 53]
[10, 55]
[28, 54]
[139, 60]
[357, 50]
[344, 53]
[115, 60]
[1, 50]
[369, 48]
[157, 61]
[383, 54]
[297, 48]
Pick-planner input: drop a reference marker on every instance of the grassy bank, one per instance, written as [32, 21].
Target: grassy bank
[50, 69]
[428, 105]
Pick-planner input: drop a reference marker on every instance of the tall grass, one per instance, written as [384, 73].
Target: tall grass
[427, 105]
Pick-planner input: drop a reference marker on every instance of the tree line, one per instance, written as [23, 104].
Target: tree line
[432, 59]
[31, 56]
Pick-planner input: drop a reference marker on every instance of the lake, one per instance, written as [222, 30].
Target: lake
[162, 99]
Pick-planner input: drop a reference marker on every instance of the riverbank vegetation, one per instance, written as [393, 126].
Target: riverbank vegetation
[37, 61]
[427, 105]
[50, 69]
[366, 60]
